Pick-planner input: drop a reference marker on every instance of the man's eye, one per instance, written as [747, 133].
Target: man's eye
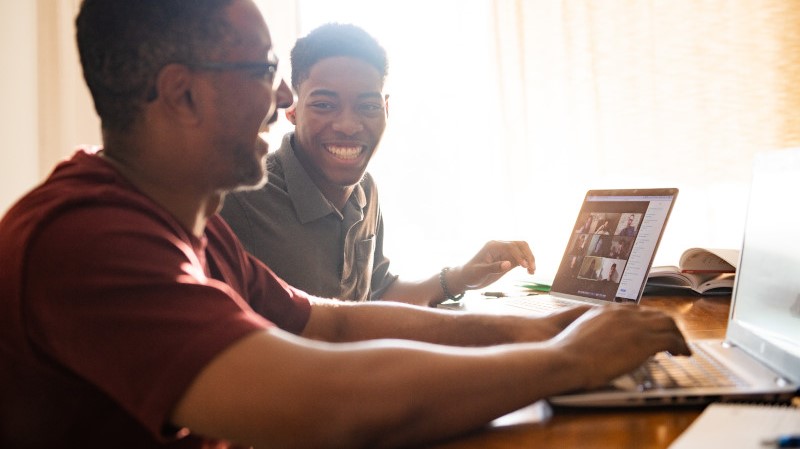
[371, 108]
[322, 106]
[264, 74]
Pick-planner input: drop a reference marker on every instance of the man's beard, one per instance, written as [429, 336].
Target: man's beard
[251, 172]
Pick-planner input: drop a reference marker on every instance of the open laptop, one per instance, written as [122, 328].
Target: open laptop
[608, 255]
[760, 355]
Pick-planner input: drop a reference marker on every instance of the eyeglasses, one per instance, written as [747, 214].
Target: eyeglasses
[265, 70]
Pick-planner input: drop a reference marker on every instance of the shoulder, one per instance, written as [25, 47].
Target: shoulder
[123, 222]
[84, 198]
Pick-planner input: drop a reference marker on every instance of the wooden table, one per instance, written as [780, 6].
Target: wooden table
[699, 317]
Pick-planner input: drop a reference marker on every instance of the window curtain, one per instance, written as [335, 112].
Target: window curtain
[502, 114]
[650, 93]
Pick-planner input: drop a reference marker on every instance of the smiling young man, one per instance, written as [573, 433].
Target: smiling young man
[318, 222]
[133, 318]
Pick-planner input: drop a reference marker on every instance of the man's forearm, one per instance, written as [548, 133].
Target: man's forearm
[354, 322]
[368, 394]
[276, 389]
[436, 395]
[421, 293]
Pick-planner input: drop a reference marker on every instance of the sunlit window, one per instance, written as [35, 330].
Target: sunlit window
[504, 112]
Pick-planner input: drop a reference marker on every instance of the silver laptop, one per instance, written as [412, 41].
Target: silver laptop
[759, 359]
[608, 255]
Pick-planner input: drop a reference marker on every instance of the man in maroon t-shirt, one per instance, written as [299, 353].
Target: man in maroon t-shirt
[132, 317]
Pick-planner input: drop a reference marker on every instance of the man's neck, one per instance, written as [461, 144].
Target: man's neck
[190, 208]
[338, 196]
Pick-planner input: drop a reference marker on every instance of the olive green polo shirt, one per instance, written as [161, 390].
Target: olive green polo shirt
[290, 226]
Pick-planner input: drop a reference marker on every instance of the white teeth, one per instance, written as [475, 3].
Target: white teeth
[344, 152]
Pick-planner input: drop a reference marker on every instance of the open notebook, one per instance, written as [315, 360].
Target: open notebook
[759, 359]
[608, 254]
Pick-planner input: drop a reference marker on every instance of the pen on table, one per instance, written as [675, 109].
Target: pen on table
[494, 294]
[787, 441]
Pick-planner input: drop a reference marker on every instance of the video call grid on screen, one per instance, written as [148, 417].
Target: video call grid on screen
[612, 245]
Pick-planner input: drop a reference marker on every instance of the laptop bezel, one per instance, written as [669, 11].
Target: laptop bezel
[654, 192]
[760, 345]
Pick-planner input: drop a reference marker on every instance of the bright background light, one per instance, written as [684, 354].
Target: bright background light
[503, 113]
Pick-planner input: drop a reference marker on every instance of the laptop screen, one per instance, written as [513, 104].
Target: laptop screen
[765, 315]
[612, 244]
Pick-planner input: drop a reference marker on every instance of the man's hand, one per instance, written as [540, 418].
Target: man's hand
[612, 340]
[494, 260]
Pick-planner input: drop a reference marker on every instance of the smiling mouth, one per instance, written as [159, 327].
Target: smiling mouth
[344, 152]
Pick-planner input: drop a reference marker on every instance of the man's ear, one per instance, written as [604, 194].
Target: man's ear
[386, 104]
[176, 90]
[291, 113]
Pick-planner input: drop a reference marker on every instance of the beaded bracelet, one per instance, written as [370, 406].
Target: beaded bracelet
[444, 286]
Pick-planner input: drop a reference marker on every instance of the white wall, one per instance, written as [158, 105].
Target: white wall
[18, 80]
[46, 109]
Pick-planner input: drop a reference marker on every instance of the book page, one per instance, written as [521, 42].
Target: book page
[671, 276]
[718, 284]
[709, 260]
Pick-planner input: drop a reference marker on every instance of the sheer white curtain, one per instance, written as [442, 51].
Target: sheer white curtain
[503, 112]
[634, 93]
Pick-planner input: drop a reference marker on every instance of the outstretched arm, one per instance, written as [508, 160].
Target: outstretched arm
[275, 389]
[342, 321]
[494, 260]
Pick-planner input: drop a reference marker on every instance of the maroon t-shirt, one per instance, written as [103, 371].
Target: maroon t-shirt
[109, 309]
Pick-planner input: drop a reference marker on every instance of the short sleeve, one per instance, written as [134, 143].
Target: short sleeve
[120, 298]
[270, 296]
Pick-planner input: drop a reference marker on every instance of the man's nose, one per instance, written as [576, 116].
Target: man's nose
[283, 96]
[348, 123]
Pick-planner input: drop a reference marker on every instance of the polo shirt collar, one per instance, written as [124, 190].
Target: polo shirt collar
[308, 201]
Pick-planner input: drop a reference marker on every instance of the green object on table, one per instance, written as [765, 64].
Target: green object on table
[535, 286]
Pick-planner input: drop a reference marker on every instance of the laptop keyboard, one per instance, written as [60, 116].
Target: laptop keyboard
[662, 370]
[667, 371]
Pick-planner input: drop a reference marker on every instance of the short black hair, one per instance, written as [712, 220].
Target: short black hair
[336, 39]
[123, 44]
